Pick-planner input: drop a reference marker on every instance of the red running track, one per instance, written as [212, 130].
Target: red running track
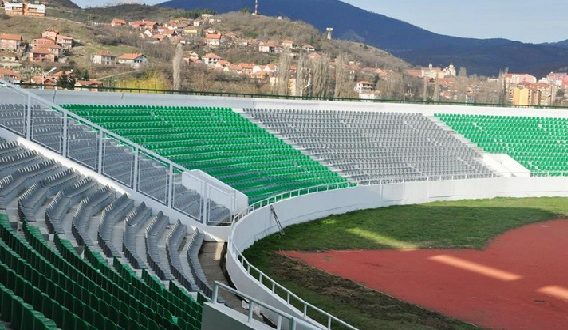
[520, 281]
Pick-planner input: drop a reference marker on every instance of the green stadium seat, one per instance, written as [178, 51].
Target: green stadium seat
[538, 143]
[218, 141]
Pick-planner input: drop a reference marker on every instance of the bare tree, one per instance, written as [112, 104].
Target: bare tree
[177, 63]
[343, 84]
[321, 77]
[303, 82]
[283, 74]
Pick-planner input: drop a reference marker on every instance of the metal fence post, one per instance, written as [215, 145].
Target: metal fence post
[251, 308]
[215, 293]
[100, 151]
[136, 161]
[65, 138]
[28, 119]
[171, 186]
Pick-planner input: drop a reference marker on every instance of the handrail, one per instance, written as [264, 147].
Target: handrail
[273, 286]
[292, 322]
[328, 187]
[105, 133]
[288, 97]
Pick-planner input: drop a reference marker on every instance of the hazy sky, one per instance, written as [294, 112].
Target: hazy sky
[524, 20]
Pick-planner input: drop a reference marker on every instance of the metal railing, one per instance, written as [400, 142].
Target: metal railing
[281, 316]
[98, 149]
[291, 298]
[285, 97]
[328, 187]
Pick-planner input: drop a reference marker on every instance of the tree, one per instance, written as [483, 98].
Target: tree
[66, 82]
[343, 83]
[303, 82]
[177, 63]
[283, 74]
[321, 78]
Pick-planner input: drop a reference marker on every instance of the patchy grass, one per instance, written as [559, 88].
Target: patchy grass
[460, 224]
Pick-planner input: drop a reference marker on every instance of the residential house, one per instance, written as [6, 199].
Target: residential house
[211, 59]
[449, 71]
[308, 48]
[50, 34]
[24, 9]
[432, 72]
[271, 69]
[364, 87]
[191, 57]
[56, 50]
[268, 47]
[191, 32]
[247, 68]
[42, 42]
[9, 75]
[47, 80]
[416, 73]
[143, 25]
[65, 42]
[289, 44]
[147, 34]
[11, 41]
[91, 85]
[213, 39]
[104, 58]
[135, 60]
[523, 78]
[223, 65]
[117, 22]
[39, 55]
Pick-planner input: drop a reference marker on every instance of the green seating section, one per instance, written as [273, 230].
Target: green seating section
[539, 144]
[218, 141]
[46, 288]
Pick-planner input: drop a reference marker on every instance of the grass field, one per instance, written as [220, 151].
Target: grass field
[463, 224]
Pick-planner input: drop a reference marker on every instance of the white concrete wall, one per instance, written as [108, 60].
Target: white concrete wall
[83, 97]
[260, 224]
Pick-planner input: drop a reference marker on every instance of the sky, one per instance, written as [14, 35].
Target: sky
[523, 20]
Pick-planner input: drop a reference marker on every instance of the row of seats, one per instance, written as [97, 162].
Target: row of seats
[217, 141]
[51, 284]
[540, 144]
[117, 159]
[376, 147]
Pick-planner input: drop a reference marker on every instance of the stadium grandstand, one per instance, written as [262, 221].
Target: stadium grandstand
[107, 200]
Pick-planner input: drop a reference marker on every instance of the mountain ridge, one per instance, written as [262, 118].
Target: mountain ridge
[413, 44]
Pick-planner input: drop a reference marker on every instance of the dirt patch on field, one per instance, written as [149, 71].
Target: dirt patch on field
[373, 309]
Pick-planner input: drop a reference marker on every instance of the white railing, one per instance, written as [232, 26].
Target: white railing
[291, 298]
[345, 185]
[291, 321]
[103, 151]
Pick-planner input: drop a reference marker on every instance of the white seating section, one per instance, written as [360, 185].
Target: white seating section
[59, 200]
[375, 147]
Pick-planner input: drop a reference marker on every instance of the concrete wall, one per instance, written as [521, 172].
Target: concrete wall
[83, 97]
[218, 317]
[260, 224]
